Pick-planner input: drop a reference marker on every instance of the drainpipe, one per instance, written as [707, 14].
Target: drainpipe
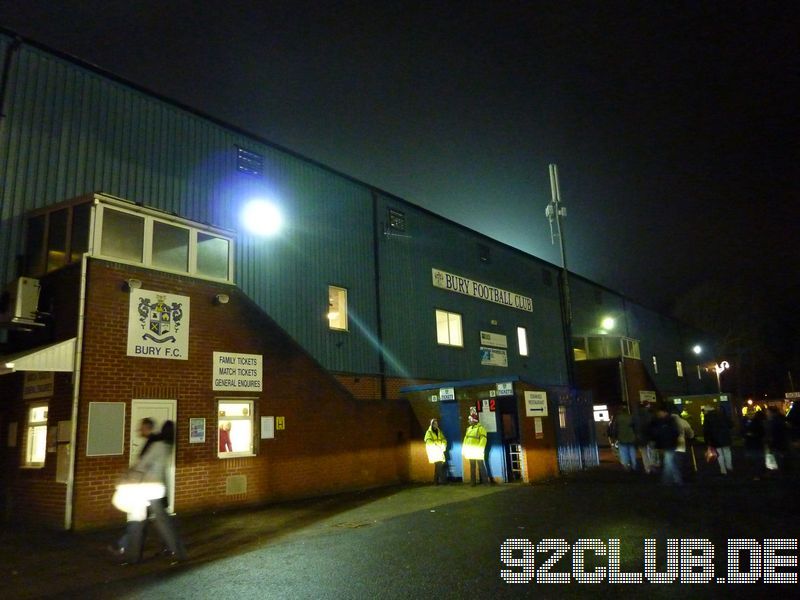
[76, 386]
[6, 75]
[377, 275]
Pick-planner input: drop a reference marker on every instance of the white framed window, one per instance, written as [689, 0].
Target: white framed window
[448, 329]
[630, 348]
[36, 435]
[235, 428]
[679, 368]
[522, 341]
[655, 364]
[156, 243]
[337, 308]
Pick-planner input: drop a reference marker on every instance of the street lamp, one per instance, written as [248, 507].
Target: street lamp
[697, 349]
[718, 369]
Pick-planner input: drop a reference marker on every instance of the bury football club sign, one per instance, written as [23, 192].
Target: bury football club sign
[482, 291]
[158, 325]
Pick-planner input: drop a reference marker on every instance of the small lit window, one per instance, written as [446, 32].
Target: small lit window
[522, 339]
[123, 235]
[337, 308]
[36, 445]
[170, 247]
[679, 368]
[448, 329]
[655, 364]
[235, 428]
[562, 417]
[699, 376]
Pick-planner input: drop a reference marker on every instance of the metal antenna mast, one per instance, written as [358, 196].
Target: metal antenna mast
[555, 212]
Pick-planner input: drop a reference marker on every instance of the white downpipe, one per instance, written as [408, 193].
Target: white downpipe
[76, 387]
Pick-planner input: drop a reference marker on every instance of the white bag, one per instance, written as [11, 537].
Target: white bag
[770, 462]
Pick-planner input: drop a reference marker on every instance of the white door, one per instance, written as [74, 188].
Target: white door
[159, 411]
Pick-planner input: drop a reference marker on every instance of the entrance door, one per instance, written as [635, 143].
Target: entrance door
[159, 411]
[452, 431]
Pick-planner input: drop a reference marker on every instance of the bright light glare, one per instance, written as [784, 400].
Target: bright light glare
[608, 323]
[262, 218]
[697, 349]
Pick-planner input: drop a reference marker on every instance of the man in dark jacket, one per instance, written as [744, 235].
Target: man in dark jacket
[663, 431]
[717, 433]
[641, 426]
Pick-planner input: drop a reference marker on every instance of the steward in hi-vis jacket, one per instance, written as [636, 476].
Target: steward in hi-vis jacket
[435, 445]
[474, 448]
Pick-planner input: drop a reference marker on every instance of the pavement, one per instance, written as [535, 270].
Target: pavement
[420, 541]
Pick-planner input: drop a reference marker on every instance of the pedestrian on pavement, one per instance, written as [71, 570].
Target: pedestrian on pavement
[435, 445]
[641, 426]
[474, 449]
[717, 434]
[621, 432]
[146, 431]
[753, 434]
[664, 434]
[684, 445]
[776, 439]
[151, 473]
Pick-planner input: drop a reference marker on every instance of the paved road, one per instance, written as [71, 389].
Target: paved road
[422, 542]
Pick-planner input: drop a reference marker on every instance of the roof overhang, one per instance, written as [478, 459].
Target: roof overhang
[54, 357]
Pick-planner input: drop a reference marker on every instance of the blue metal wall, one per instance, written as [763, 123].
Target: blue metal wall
[69, 130]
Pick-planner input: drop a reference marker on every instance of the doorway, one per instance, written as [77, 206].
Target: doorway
[451, 427]
[159, 411]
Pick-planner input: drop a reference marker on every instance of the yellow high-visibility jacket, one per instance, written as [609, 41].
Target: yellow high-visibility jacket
[435, 445]
[474, 442]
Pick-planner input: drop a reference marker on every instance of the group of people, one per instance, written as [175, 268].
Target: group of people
[142, 494]
[473, 449]
[664, 441]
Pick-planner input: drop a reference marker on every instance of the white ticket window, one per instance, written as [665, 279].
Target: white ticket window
[337, 308]
[448, 329]
[36, 445]
[235, 428]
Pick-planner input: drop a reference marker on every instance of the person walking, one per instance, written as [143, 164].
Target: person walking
[641, 426]
[717, 434]
[776, 440]
[151, 472]
[753, 434]
[435, 445]
[664, 434]
[684, 444]
[621, 432]
[474, 449]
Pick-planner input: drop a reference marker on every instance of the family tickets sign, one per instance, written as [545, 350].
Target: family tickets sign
[158, 325]
[237, 372]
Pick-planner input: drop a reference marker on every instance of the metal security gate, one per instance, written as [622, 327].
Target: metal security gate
[577, 442]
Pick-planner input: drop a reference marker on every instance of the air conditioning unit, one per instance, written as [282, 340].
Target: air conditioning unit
[19, 304]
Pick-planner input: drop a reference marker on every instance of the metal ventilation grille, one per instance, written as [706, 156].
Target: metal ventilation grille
[249, 162]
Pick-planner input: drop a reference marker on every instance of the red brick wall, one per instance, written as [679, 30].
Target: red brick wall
[332, 442]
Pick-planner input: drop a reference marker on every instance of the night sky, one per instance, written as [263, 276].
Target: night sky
[674, 125]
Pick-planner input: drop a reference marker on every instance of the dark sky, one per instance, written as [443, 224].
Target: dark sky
[673, 125]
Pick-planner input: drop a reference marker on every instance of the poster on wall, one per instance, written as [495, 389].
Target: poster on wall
[494, 357]
[488, 418]
[237, 372]
[197, 431]
[158, 325]
[535, 404]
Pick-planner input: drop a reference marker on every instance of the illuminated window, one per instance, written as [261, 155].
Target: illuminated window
[213, 256]
[522, 340]
[655, 364]
[679, 368]
[36, 444]
[337, 308]
[170, 247]
[448, 329]
[235, 428]
[57, 239]
[123, 235]
[699, 376]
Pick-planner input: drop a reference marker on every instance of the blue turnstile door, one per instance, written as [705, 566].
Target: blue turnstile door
[451, 427]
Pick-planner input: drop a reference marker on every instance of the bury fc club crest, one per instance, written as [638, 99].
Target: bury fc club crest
[160, 319]
[158, 326]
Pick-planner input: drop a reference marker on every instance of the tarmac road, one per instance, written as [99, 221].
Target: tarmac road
[421, 542]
